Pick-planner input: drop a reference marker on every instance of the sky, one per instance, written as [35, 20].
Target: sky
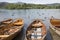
[33, 1]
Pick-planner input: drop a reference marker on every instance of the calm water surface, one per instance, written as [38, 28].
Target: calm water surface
[29, 15]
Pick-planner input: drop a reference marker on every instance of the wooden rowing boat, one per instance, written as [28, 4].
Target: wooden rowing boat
[19, 22]
[55, 22]
[6, 21]
[55, 25]
[54, 33]
[8, 32]
[36, 30]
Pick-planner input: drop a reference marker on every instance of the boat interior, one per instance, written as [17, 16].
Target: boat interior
[6, 21]
[18, 22]
[7, 28]
[34, 31]
[55, 23]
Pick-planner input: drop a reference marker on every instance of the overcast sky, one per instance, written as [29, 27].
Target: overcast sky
[33, 1]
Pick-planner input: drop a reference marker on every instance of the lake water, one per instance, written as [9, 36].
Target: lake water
[29, 15]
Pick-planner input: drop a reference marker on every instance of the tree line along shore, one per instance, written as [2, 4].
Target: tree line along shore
[28, 6]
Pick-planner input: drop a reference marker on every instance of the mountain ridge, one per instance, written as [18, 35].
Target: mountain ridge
[22, 5]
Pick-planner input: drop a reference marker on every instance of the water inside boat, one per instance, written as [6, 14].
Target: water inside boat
[36, 34]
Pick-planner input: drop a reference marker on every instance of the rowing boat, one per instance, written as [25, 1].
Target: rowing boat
[36, 30]
[55, 22]
[8, 32]
[55, 25]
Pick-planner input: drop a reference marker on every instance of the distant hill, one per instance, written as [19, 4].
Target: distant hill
[3, 4]
[54, 4]
[22, 5]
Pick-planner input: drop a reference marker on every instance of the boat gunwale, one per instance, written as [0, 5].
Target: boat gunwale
[56, 31]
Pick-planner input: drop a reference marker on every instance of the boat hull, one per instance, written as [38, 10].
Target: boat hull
[54, 33]
[13, 31]
[55, 22]
[36, 31]
[57, 31]
[10, 37]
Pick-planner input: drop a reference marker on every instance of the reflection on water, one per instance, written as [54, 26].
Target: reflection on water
[29, 15]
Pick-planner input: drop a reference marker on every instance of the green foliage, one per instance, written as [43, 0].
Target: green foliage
[29, 6]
